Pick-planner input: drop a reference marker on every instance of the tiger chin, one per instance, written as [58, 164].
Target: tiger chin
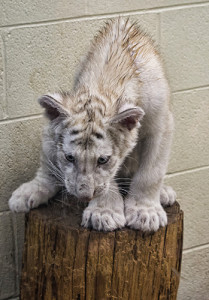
[115, 124]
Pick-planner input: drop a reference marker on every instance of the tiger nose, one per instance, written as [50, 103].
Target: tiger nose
[84, 192]
[85, 199]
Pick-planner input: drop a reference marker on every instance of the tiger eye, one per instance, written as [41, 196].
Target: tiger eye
[70, 158]
[103, 160]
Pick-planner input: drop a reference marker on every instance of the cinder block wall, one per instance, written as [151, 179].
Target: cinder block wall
[41, 43]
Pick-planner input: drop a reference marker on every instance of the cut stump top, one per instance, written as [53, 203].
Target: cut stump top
[69, 214]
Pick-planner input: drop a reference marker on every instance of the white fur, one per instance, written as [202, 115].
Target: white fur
[32, 194]
[105, 213]
[167, 196]
[27, 196]
[120, 82]
[147, 216]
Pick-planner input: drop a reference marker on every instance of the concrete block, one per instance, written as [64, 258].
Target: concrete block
[19, 155]
[99, 7]
[36, 10]
[195, 276]
[2, 99]
[190, 147]
[192, 193]
[44, 58]
[185, 46]
[7, 257]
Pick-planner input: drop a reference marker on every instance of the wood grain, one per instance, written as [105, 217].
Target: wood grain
[64, 261]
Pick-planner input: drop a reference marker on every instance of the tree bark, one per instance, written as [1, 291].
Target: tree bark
[64, 261]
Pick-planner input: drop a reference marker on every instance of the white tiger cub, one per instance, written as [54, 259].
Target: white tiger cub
[118, 110]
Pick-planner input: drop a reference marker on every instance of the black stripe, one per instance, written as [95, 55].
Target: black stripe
[74, 132]
[98, 135]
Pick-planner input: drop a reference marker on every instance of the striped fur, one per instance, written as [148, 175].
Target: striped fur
[118, 110]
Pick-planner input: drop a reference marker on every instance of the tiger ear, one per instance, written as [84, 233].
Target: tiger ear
[53, 104]
[129, 118]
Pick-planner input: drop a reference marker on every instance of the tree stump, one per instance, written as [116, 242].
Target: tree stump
[64, 261]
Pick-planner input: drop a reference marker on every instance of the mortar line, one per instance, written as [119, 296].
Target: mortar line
[22, 118]
[196, 248]
[107, 15]
[203, 87]
[186, 171]
[5, 212]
